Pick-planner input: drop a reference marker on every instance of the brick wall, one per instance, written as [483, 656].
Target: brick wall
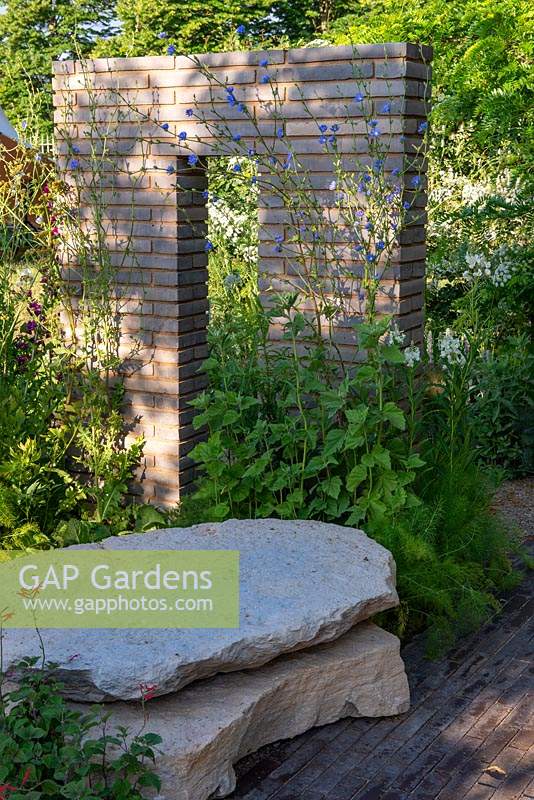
[155, 221]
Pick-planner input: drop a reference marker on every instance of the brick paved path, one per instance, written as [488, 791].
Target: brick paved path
[470, 711]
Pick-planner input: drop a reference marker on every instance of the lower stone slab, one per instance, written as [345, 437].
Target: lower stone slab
[208, 726]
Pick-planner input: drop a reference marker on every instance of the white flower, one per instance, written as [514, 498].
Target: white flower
[395, 336]
[332, 186]
[450, 348]
[478, 266]
[412, 355]
[502, 273]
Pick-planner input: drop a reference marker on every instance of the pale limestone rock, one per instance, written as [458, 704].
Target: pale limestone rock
[302, 583]
[209, 726]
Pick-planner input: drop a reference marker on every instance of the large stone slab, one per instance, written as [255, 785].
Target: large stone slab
[208, 727]
[301, 583]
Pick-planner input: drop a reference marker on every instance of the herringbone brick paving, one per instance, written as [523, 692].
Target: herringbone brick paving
[471, 711]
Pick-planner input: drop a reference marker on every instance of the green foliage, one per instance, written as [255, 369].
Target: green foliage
[295, 442]
[192, 27]
[483, 61]
[451, 554]
[33, 33]
[233, 233]
[47, 750]
[501, 411]
[64, 466]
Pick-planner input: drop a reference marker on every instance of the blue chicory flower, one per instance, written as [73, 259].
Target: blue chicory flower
[208, 246]
[322, 140]
[240, 30]
[334, 128]
[386, 108]
[163, 35]
[237, 168]
[264, 62]
[171, 50]
[182, 136]
[170, 169]
[280, 133]
[323, 128]
[74, 163]
[415, 182]
[192, 159]
[236, 137]
[421, 128]
[265, 79]
[75, 149]
[241, 107]
[380, 245]
[189, 112]
[359, 97]
[165, 126]
[395, 171]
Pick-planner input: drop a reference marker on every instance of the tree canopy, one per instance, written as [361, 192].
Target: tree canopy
[33, 33]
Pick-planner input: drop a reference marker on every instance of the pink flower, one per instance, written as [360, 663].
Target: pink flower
[148, 691]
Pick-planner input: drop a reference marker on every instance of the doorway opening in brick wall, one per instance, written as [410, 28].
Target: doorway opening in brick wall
[232, 242]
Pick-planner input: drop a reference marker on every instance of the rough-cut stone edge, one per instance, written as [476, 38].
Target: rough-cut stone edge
[360, 674]
[86, 683]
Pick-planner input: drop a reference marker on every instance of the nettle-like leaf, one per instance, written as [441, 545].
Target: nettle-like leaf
[356, 476]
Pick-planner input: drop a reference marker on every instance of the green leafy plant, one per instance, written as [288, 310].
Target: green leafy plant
[302, 443]
[48, 750]
[65, 466]
[452, 555]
